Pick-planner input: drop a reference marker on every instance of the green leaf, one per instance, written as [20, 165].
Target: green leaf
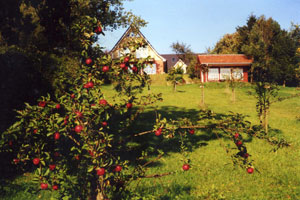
[90, 168]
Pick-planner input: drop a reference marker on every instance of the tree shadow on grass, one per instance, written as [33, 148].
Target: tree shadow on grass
[150, 141]
[9, 189]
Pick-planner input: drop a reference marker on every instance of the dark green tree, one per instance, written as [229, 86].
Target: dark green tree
[273, 51]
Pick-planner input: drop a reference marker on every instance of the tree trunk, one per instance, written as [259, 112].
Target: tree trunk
[260, 116]
[100, 196]
[202, 98]
[174, 87]
[266, 120]
[284, 82]
[233, 95]
[251, 75]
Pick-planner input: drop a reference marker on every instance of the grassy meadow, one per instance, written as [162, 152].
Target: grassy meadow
[212, 174]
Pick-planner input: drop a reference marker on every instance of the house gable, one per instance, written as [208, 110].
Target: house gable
[121, 49]
[132, 32]
[181, 64]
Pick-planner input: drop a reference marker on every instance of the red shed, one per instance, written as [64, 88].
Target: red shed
[219, 67]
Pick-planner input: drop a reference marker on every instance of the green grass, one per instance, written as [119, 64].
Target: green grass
[212, 175]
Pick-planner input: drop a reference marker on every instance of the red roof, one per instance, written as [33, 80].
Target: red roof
[225, 60]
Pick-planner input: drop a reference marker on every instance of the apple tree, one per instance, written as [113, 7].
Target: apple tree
[78, 143]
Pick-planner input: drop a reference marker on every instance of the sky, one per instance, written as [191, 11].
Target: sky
[200, 23]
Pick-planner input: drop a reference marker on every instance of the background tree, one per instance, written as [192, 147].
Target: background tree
[185, 53]
[228, 44]
[45, 37]
[175, 75]
[272, 48]
[275, 57]
[294, 33]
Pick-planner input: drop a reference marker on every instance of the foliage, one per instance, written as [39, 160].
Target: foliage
[51, 25]
[175, 75]
[272, 48]
[264, 94]
[185, 53]
[228, 44]
[41, 43]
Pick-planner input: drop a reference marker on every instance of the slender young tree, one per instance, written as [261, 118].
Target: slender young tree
[185, 53]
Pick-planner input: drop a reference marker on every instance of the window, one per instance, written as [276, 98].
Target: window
[141, 52]
[213, 74]
[225, 73]
[237, 73]
[150, 69]
[173, 59]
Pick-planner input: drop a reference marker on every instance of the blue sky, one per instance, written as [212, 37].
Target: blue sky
[200, 23]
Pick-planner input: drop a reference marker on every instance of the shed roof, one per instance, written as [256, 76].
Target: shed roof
[225, 60]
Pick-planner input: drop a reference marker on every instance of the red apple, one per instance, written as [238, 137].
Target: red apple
[98, 30]
[78, 128]
[55, 187]
[105, 68]
[100, 172]
[250, 170]
[16, 160]
[245, 155]
[85, 86]
[104, 124]
[134, 69]
[77, 157]
[57, 106]
[44, 186]
[122, 65]
[78, 114]
[56, 136]
[88, 61]
[129, 105]
[185, 167]
[35, 131]
[89, 84]
[52, 167]
[192, 131]
[42, 104]
[236, 135]
[158, 132]
[118, 168]
[126, 59]
[239, 143]
[10, 143]
[91, 153]
[103, 102]
[36, 161]
[72, 96]
[56, 154]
